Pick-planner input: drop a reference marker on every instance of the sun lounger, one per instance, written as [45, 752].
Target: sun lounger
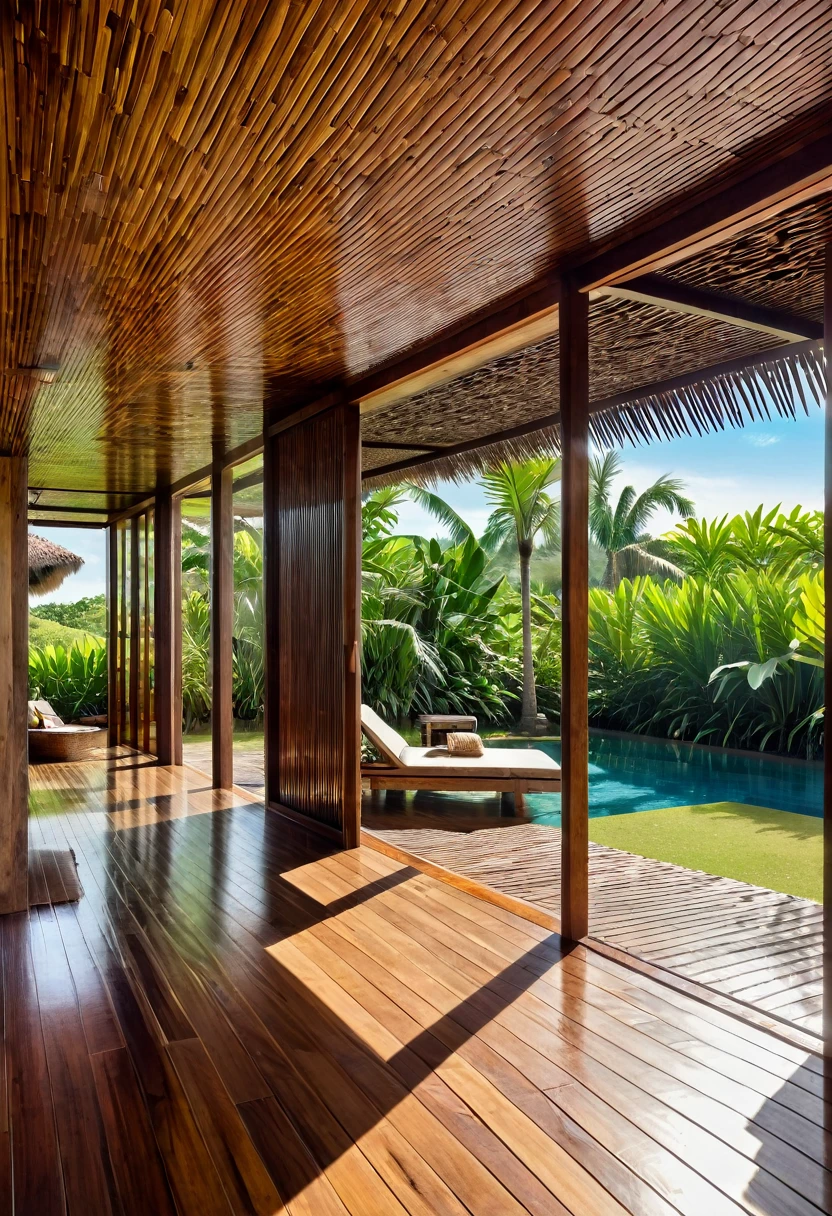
[518, 771]
[60, 742]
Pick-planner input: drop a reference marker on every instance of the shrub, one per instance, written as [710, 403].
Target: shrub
[73, 680]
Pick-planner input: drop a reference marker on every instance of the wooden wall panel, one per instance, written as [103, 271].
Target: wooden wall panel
[14, 644]
[312, 473]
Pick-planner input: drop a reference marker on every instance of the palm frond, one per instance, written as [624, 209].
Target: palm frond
[458, 530]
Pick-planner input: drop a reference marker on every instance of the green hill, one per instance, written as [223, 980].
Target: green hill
[50, 633]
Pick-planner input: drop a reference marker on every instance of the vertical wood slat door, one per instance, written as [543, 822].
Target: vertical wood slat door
[312, 510]
[131, 627]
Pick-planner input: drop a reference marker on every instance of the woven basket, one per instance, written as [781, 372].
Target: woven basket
[62, 745]
[464, 743]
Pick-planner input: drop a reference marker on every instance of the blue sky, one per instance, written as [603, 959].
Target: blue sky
[770, 462]
[88, 543]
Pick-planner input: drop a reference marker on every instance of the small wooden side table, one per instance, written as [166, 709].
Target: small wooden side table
[435, 727]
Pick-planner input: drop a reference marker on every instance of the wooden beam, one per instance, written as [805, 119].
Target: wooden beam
[68, 523]
[827, 672]
[14, 671]
[681, 297]
[222, 626]
[574, 398]
[112, 636]
[515, 324]
[700, 221]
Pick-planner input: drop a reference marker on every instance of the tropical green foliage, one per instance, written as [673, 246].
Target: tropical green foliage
[437, 634]
[248, 658]
[729, 656]
[619, 529]
[73, 680]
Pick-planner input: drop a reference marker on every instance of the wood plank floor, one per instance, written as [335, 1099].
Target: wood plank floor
[757, 946]
[235, 1019]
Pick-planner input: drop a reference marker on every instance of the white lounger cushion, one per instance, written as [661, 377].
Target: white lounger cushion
[386, 740]
[497, 762]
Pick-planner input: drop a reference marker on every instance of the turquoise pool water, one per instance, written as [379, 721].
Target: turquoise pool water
[646, 774]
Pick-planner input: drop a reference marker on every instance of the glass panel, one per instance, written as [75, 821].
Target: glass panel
[248, 681]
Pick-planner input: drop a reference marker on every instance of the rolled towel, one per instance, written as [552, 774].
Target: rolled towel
[464, 743]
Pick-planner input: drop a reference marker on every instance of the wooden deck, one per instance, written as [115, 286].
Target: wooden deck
[233, 1019]
[757, 946]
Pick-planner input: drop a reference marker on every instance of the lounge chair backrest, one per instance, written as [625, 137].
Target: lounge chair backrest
[46, 710]
[386, 740]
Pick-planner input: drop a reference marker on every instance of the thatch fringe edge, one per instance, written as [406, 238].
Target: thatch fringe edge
[787, 383]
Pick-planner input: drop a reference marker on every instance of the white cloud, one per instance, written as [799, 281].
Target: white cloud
[763, 441]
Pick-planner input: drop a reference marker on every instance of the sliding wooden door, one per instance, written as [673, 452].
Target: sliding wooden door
[312, 514]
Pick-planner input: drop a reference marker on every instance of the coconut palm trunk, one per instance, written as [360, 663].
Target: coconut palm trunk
[528, 713]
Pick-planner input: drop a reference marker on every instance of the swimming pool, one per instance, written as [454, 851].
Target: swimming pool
[627, 774]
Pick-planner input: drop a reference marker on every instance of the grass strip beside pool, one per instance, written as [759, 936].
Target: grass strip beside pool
[774, 849]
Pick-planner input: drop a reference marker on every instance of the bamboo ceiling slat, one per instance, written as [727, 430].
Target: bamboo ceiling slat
[209, 204]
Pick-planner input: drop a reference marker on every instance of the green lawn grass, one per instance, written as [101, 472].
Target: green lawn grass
[50, 633]
[774, 849]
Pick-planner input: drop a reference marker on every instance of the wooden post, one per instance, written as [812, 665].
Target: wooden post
[827, 664]
[146, 696]
[351, 827]
[113, 711]
[135, 632]
[14, 646]
[123, 584]
[574, 413]
[167, 610]
[222, 625]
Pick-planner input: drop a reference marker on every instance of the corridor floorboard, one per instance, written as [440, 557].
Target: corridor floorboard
[235, 1018]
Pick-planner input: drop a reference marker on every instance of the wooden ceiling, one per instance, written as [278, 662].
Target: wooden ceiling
[208, 205]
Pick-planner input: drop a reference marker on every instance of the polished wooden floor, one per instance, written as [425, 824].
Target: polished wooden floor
[234, 1019]
[759, 947]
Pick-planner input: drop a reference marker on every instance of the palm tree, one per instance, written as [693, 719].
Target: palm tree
[620, 529]
[522, 509]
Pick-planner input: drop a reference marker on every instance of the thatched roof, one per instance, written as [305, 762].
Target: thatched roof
[49, 565]
[654, 373]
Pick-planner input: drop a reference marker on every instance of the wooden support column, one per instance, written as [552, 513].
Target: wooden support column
[827, 666]
[222, 625]
[167, 609]
[135, 632]
[14, 646]
[312, 506]
[574, 412]
[113, 712]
